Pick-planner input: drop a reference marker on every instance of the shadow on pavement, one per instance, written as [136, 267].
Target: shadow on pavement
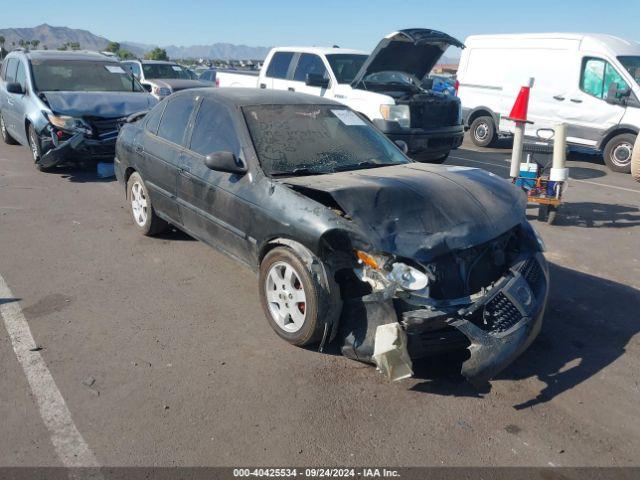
[175, 234]
[9, 300]
[81, 174]
[597, 215]
[589, 322]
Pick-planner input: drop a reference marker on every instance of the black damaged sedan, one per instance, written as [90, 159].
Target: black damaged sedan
[347, 233]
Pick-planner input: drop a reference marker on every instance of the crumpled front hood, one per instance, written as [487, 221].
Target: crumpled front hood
[179, 83]
[421, 211]
[99, 104]
[414, 51]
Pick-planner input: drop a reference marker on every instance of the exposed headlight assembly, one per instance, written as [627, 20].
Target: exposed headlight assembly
[405, 276]
[64, 122]
[396, 113]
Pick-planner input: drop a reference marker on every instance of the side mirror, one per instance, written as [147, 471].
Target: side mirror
[225, 162]
[316, 80]
[402, 145]
[16, 88]
[147, 87]
[616, 96]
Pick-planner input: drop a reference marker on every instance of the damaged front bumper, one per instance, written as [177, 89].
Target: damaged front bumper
[496, 326]
[80, 146]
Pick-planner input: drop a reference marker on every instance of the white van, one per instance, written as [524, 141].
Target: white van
[590, 82]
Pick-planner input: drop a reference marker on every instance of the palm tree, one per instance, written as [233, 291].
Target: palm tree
[35, 43]
[2, 40]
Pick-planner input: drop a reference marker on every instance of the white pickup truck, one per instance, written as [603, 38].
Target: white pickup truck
[388, 86]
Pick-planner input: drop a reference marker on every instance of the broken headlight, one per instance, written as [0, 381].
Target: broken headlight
[64, 122]
[387, 270]
[396, 113]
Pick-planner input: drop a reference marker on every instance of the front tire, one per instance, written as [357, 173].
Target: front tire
[483, 131]
[295, 304]
[6, 136]
[36, 148]
[618, 151]
[142, 212]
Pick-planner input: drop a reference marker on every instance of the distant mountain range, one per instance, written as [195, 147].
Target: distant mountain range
[54, 37]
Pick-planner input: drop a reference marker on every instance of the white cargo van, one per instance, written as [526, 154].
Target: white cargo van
[590, 82]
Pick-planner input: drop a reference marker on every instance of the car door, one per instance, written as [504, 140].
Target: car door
[160, 153]
[585, 108]
[278, 71]
[309, 63]
[211, 202]
[20, 103]
[8, 108]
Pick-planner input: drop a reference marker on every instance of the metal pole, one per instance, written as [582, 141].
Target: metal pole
[559, 172]
[516, 153]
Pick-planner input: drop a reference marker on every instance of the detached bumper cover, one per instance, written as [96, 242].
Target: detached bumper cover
[495, 328]
[80, 147]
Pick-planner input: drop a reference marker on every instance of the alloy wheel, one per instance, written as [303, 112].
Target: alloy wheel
[286, 297]
[621, 154]
[139, 204]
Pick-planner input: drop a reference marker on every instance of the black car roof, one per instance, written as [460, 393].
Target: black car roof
[67, 55]
[257, 96]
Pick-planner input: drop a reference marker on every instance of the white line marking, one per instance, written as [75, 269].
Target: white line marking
[71, 448]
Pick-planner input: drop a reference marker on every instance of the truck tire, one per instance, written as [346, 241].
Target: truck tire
[6, 137]
[483, 131]
[618, 151]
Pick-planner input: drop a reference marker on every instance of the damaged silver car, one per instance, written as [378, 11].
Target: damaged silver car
[353, 242]
[66, 106]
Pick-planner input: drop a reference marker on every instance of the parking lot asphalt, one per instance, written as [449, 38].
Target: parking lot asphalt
[162, 356]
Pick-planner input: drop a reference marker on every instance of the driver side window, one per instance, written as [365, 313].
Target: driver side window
[597, 76]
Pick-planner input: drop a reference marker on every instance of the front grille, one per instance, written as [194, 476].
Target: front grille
[532, 273]
[430, 111]
[500, 314]
[105, 125]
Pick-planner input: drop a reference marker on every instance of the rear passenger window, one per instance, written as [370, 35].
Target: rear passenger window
[213, 130]
[309, 63]
[279, 65]
[153, 119]
[175, 119]
[10, 72]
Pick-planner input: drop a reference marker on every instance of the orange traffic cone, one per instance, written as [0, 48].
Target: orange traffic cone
[519, 116]
[521, 106]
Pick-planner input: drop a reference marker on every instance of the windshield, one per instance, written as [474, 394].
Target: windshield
[316, 139]
[632, 64]
[164, 70]
[82, 75]
[345, 66]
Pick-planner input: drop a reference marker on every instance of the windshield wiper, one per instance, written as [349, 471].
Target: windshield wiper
[361, 165]
[296, 171]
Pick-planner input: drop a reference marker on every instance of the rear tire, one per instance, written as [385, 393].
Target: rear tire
[6, 137]
[618, 151]
[483, 131]
[142, 212]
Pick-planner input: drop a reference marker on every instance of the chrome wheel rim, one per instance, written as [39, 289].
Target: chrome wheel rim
[139, 204]
[286, 297]
[621, 154]
[34, 146]
[481, 132]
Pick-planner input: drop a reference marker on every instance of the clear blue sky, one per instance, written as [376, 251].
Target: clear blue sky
[356, 24]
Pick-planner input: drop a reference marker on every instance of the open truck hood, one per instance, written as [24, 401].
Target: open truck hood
[421, 211]
[414, 51]
[98, 104]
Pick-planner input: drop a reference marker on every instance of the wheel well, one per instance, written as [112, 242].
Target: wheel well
[480, 113]
[615, 133]
[127, 173]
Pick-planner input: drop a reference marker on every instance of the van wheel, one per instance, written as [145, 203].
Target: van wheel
[617, 152]
[36, 149]
[6, 137]
[483, 131]
[142, 212]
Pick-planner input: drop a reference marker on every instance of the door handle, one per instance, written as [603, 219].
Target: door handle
[291, 89]
[184, 172]
[560, 98]
[263, 85]
[139, 149]
[576, 100]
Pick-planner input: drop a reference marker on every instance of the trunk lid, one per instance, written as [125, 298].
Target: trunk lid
[414, 51]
